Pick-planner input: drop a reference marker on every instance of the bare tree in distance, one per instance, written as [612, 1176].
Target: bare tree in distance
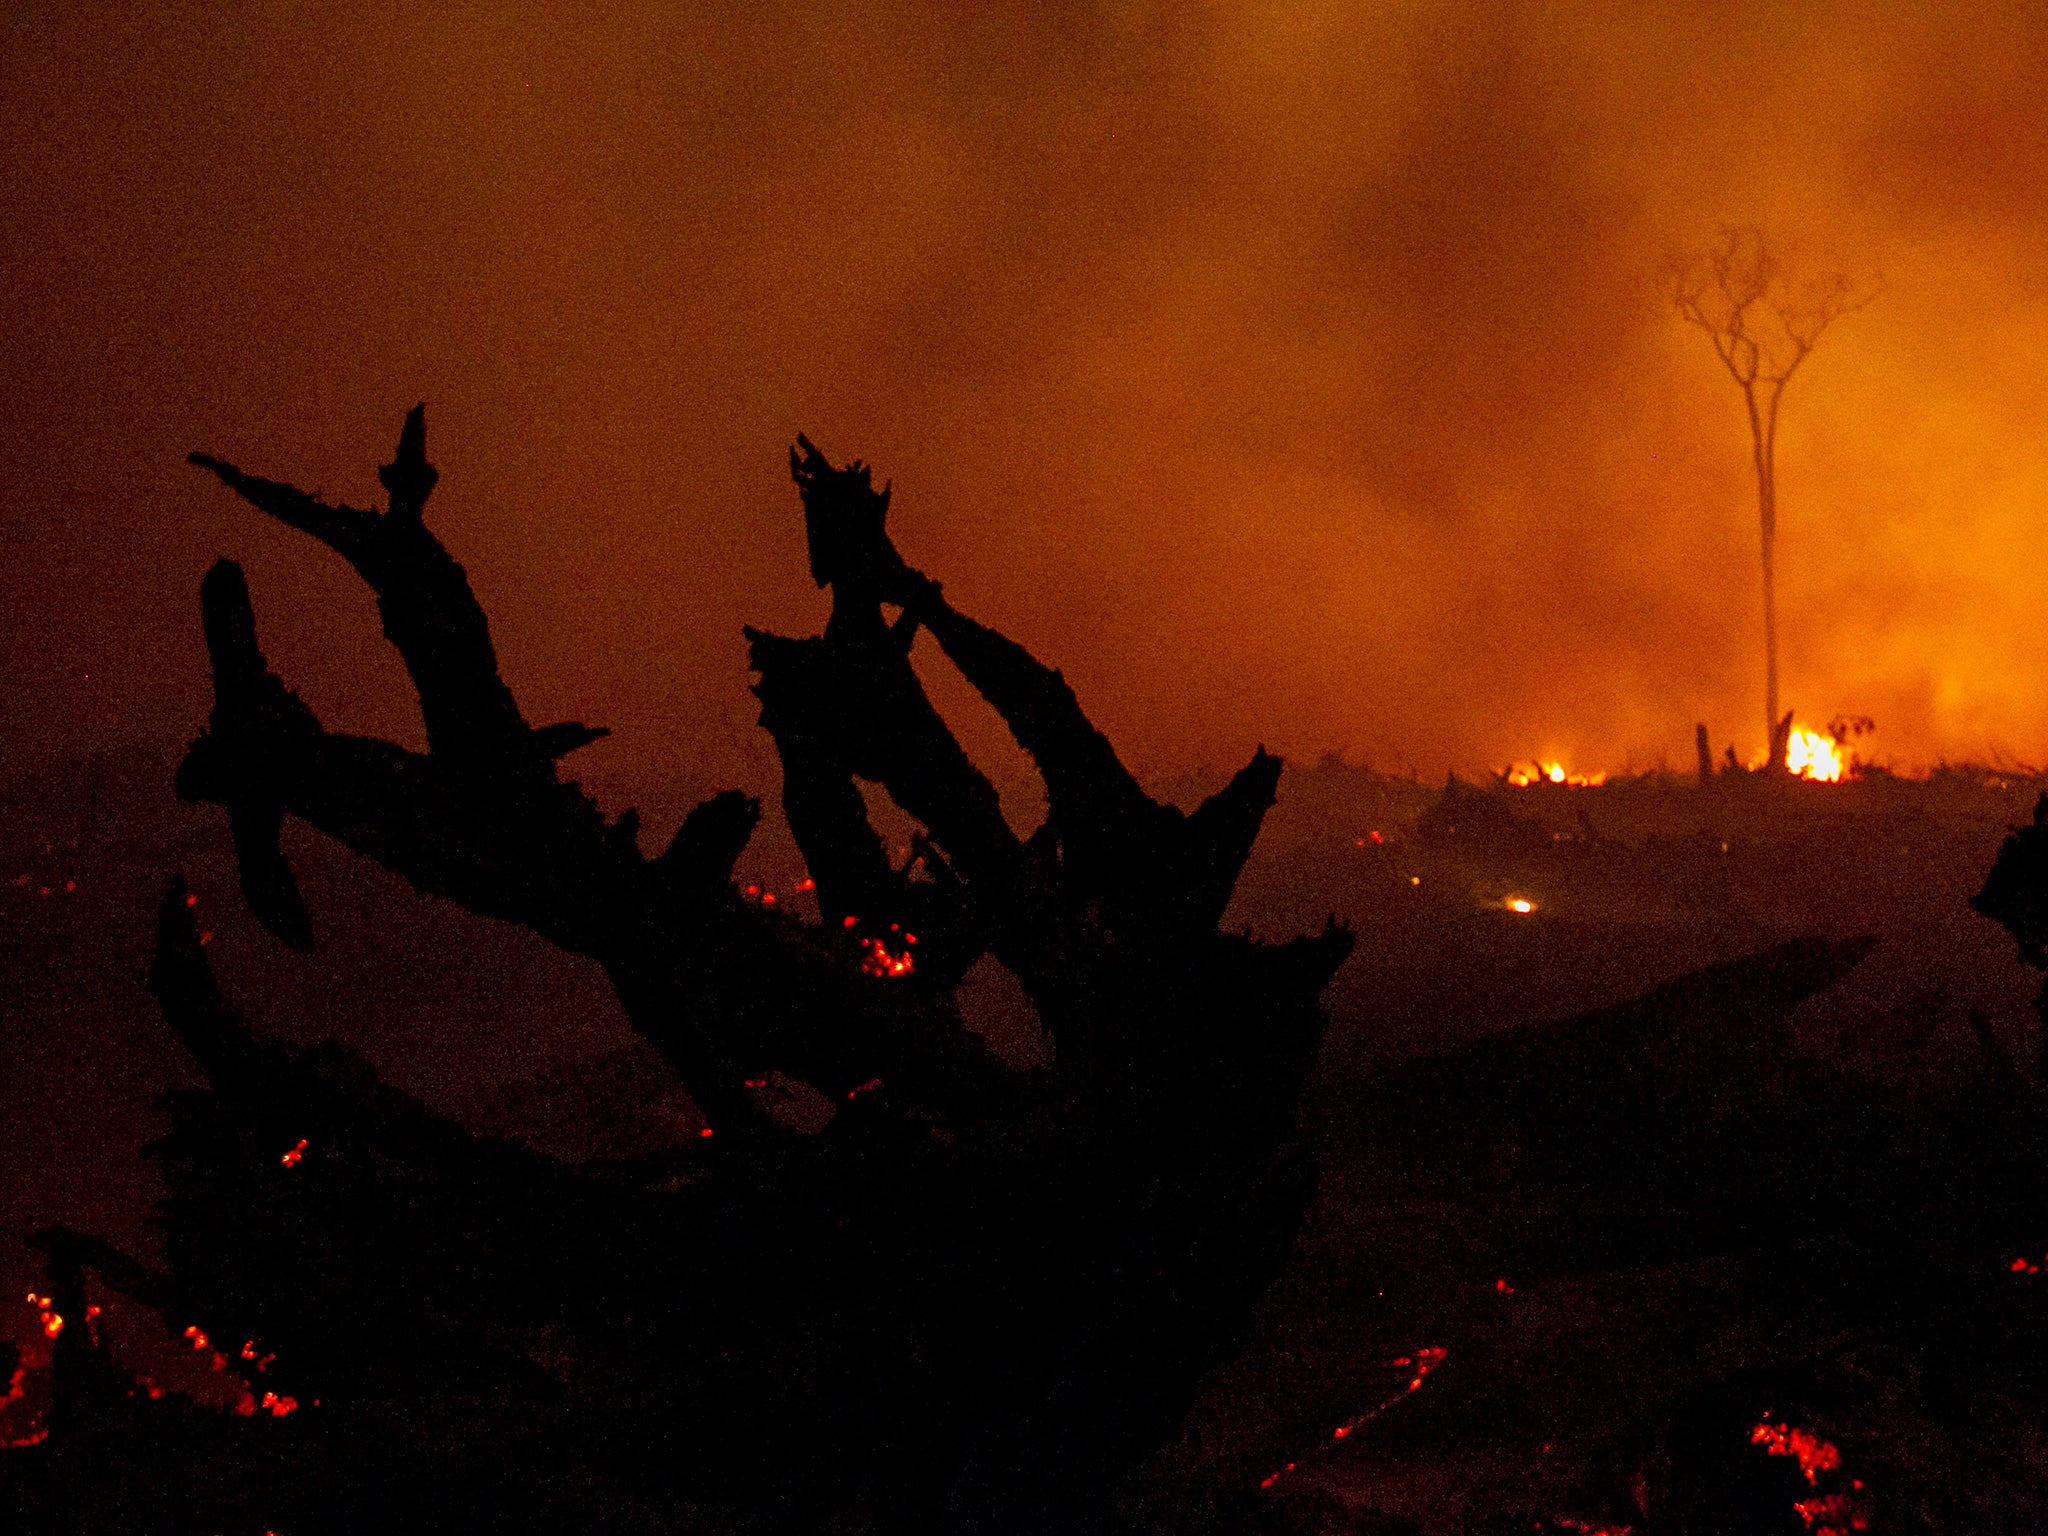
[1762, 326]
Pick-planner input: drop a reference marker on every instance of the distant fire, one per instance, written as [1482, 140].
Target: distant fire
[1810, 755]
[1521, 775]
[1521, 904]
[1820, 756]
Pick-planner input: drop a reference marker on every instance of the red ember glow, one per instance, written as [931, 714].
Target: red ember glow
[1826, 1514]
[1422, 1362]
[50, 1320]
[880, 962]
[1814, 1454]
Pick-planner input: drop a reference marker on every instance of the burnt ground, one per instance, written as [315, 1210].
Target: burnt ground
[1612, 1254]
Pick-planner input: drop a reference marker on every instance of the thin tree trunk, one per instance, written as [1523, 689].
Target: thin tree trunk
[1770, 622]
[1762, 433]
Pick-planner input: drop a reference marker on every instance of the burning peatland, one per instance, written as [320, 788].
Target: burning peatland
[1679, 1141]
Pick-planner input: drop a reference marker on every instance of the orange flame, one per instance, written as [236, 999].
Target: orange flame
[1522, 775]
[1810, 755]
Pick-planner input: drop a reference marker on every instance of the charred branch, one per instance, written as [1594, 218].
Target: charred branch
[423, 595]
[483, 819]
[1020, 1275]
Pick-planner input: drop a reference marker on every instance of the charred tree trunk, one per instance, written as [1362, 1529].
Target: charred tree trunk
[970, 1303]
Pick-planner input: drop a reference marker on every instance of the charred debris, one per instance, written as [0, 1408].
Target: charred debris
[971, 1301]
[1650, 1269]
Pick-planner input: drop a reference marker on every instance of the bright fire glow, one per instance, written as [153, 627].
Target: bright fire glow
[1520, 904]
[1522, 775]
[1810, 755]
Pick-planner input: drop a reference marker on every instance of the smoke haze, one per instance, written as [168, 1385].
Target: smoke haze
[1296, 373]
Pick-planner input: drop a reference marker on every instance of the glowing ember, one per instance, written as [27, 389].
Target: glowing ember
[51, 1321]
[1521, 904]
[1832, 1514]
[1814, 1454]
[1810, 755]
[1826, 1514]
[1421, 1363]
[878, 961]
[291, 1157]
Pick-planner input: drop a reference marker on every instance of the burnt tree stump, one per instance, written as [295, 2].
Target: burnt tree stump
[970, 1303]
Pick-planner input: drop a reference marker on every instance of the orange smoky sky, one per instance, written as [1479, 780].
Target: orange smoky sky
[1296, 373]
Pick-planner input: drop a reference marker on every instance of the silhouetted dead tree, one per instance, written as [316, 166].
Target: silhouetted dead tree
[969, 1303]
[1762, 332]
